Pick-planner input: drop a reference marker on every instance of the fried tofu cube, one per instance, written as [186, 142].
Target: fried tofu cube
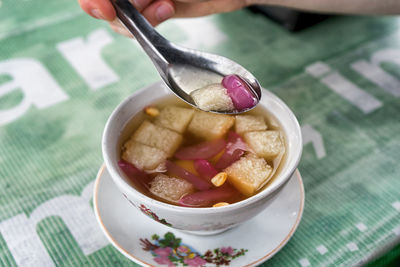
[158, 137]
[212, 97]
[210, 126]
[142, 156]
[175, 118]
[249, 123]
[266, 144]
[249, 174]
[170, 188]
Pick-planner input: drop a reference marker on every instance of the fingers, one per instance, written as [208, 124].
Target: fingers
[117, 26]
[140, 5]
[191, 1]
[159, 11]
[203, 8]
[100, 9]
[155, 12]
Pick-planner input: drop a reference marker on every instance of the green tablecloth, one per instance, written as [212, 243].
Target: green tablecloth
[62, 73]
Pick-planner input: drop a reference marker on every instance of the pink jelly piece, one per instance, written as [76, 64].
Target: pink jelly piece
[138, 176]
[234, 142]
[208, 197]
[196, 181]
[240, 93]
[205, 169]
[235, 148]
[228, 159]
[204, 150]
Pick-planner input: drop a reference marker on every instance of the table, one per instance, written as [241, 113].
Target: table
[62, 73]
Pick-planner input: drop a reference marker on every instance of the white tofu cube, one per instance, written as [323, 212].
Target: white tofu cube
[158, 137]
[174, 118]
[266, 144]
[249, 123]
[212, 97]
[170, 188]
[142, 156]
[210, 126]
[249, 174]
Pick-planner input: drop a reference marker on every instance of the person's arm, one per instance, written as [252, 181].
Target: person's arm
[369, 7]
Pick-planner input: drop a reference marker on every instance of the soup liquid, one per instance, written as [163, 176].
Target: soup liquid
[189, 139]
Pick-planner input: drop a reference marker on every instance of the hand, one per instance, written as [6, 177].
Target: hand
[157, 11]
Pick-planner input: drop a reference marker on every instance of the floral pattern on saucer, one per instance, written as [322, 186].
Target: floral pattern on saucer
[152, 215]
[172, 252]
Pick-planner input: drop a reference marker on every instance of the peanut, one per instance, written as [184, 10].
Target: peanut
[151, 111]
[220, 204]
[219, 179]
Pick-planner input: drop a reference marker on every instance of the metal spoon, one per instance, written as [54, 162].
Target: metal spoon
[183, 70]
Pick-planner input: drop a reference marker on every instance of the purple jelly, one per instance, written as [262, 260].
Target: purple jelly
[240, 93]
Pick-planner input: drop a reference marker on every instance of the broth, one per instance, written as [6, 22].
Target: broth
[189, 139]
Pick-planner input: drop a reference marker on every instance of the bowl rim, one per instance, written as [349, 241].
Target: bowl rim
[200, 210]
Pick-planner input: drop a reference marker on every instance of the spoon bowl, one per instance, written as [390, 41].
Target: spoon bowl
[183, 70]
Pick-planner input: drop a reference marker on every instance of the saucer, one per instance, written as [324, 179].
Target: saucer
[148, 243]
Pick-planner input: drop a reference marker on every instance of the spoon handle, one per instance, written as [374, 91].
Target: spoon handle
[155, 46]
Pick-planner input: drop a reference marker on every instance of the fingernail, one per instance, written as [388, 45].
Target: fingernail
[164, 12]
[116, 22]
[96, 13]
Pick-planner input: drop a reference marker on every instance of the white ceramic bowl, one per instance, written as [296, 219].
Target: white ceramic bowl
[198, 220]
